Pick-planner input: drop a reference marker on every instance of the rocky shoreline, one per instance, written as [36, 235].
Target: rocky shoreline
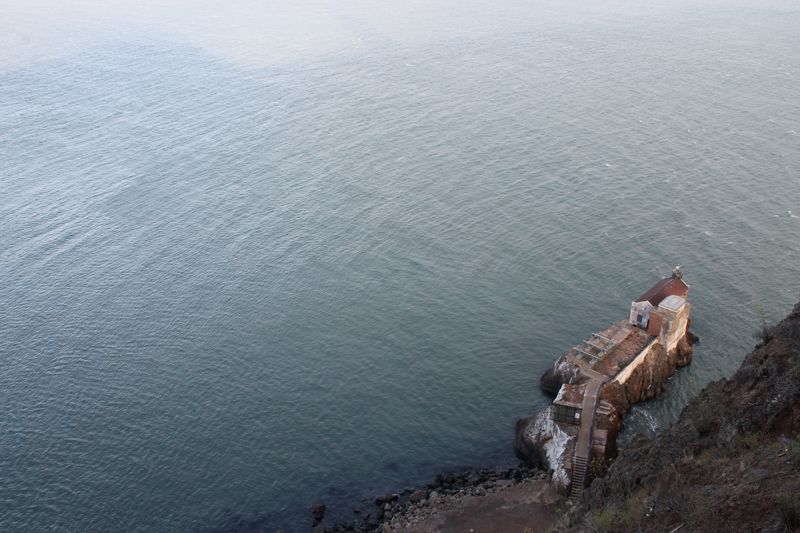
[730, 462]
[412, 506]
[596, 384]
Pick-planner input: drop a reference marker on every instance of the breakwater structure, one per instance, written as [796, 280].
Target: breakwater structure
[596, 382]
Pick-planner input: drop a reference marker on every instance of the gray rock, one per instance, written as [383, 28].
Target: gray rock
[418, 496]
[563, 371]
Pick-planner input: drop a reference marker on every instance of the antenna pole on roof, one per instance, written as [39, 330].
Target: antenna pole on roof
[677, 273]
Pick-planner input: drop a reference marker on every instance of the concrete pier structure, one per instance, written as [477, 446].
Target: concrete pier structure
[596, 381]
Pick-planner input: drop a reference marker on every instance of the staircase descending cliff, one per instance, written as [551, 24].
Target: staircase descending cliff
[583, 448]
[578, 477]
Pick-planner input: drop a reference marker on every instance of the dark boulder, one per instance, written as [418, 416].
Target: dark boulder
[380, 500]
[319, 512]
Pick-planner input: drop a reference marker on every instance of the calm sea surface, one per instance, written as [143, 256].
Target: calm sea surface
[257, 257]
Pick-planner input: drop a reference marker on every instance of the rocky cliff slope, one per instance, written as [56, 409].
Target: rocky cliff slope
[730, 463]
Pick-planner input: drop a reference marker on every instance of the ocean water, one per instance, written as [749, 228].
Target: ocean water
[256, 257]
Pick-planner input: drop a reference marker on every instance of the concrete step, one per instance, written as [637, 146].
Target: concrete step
[578, 477]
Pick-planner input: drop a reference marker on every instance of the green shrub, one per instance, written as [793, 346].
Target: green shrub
[765, 331]
[598, 467]
[634, 511]
[793, 451]
[754, 441]
[605, 518]
[789, 511]
[709, 456]
[701, 513]
[764, 334]
[792, 332]
[794, 367]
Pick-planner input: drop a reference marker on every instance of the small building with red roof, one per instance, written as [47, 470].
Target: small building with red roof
[640, 309]
[663, 311]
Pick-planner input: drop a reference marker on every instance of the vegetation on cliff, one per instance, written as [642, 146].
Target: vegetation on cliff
[731, 462]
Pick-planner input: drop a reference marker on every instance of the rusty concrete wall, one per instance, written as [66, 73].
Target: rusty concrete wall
[640, 360]
[654, 328]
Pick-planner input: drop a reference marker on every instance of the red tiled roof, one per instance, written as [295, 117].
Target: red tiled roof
[662, 289]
